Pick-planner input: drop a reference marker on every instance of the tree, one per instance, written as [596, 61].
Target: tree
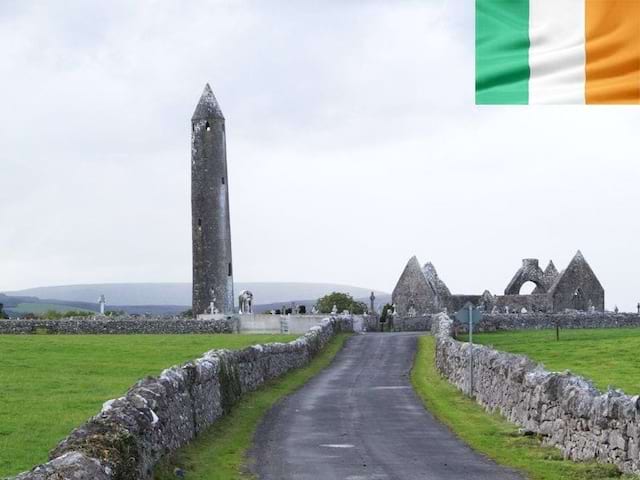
[387, 310]
[2, 314]
[342, 301]
[386, 318]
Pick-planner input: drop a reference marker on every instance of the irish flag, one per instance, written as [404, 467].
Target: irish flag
[557, 51]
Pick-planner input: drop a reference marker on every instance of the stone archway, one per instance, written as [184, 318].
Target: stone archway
[530, 271]
[528, 288]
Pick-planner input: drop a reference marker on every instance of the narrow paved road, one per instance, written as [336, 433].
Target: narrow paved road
[360, 419]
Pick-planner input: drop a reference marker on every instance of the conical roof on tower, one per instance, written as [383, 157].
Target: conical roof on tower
[208, 106]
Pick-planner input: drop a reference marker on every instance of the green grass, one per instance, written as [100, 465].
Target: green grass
[489, 433]
[42, 308]
[220, 453]
[50, 384]
[608, 356]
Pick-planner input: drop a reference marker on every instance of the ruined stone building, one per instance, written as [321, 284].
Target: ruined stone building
[211, 231]
[421, 291]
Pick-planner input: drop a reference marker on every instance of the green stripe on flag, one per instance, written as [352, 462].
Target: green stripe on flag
[502, 52]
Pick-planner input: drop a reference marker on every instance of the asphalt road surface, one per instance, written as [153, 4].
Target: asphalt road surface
[360, 419]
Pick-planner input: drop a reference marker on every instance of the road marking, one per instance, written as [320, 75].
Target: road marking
[390, 388]
[336, 445]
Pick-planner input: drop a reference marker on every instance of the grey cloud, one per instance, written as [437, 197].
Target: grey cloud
[353, 143]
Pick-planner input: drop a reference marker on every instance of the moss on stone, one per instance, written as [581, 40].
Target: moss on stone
[230, 387]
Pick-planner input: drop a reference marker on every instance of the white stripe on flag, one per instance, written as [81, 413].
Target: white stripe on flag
[557, 51]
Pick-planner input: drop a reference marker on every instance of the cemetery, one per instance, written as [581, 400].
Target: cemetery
[96, 395]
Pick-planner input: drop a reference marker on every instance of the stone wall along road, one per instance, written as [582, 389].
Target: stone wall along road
[360, 419]
[160, 414]
[565, 409]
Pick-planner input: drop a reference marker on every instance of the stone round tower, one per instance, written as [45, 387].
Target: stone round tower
[211, 231]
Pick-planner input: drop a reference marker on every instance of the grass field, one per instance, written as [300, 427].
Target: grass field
[50, 384]
[41, 308]
[491, 434]
[608, 356]
[220, 453]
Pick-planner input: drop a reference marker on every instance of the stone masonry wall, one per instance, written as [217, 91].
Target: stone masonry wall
[565, 409]
[521, 321]
[160, 325]
[124, 325]
[158, 415]
[420, 323]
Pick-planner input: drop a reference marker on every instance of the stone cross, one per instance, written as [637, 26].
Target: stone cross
[372, 298]
[212, 305]
[102, 302]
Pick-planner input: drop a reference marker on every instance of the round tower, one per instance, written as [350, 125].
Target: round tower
[211, 231]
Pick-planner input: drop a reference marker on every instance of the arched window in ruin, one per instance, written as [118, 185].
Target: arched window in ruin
[528, 287]
[529, 272]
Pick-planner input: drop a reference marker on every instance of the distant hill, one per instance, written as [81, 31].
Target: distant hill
[148, 296]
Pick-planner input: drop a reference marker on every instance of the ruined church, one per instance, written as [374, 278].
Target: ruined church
[421, 291]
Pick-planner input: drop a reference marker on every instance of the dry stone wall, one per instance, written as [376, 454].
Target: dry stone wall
[173, 325]
[123, 325]
[567, 410]
[161, 414]
[420, 323]
[520, 321]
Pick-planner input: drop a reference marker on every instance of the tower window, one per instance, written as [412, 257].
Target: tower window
[230, 271]
[223, 180]
[208, 127]
[199, 222]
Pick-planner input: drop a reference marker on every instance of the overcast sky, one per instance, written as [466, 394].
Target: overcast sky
[353, 144]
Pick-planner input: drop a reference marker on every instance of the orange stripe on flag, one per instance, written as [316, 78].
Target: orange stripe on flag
[612, 51]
